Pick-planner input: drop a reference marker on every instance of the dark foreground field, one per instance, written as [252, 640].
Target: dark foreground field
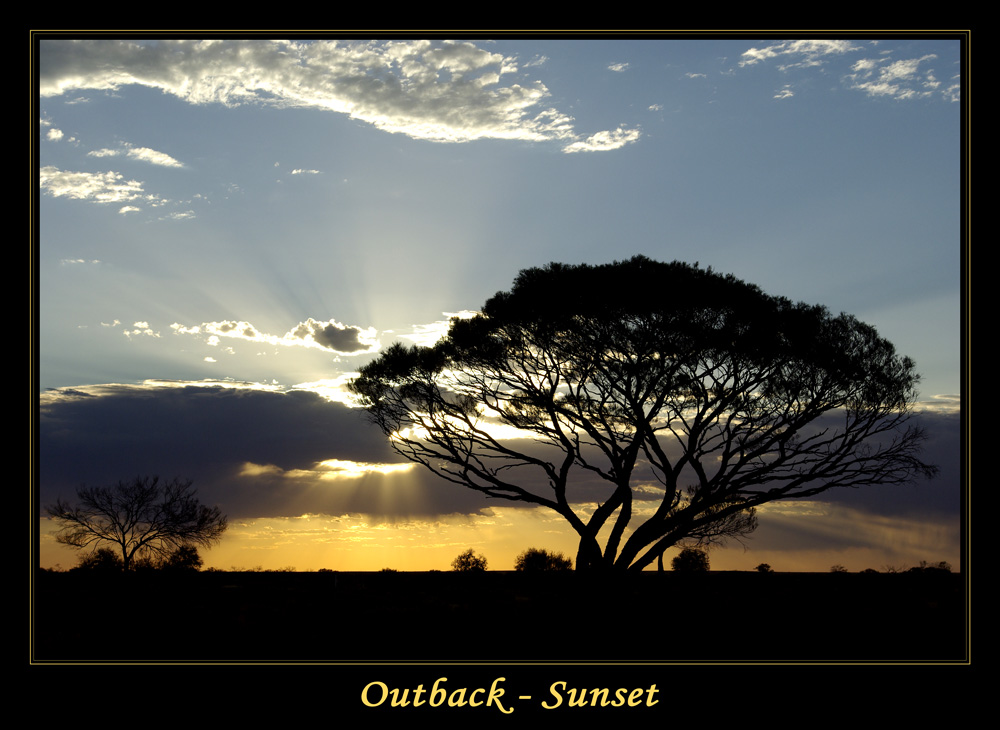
[498, 616]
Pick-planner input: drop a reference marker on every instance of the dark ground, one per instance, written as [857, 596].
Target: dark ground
[337, 617]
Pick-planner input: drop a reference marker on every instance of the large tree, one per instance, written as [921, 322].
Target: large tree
[141, 517]
[692, 397]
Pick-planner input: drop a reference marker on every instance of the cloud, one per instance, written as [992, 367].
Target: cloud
[254, 450]
[259, 450]
[143, 154]
[100, 187]
[604, 141]
[54, 134]
[798, 53]
[881, 76]
[438, 91]
[426, 335]
[140, 329]
[325, 335]
[335, 336]
[902, 79]
[618, 67]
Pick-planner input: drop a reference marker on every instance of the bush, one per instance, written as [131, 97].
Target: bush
[534, 560]
[185, 558]
[838, 569]
[943, 567]
[104, 560]
[469, 562]
[764, 568]
[690, 560]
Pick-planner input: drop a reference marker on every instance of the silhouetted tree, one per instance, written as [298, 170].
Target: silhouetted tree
[104, 560]
[535, 560]
[640, 376]
[184, 558]
[469, 562]
[838, 569]
[144, 518]
[943, 567]
[764, 568]
[690, 560]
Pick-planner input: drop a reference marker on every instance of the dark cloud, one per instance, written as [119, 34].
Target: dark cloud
[99, 435]
[333, 336]
[210, 433]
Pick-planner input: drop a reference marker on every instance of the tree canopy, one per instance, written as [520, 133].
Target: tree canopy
[143, 517]
[690, 560]
[535, 560]
[691, 397]
[469, 562]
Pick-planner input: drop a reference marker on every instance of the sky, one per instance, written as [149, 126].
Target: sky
[228, 229]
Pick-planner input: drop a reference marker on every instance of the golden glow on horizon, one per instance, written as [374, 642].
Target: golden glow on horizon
[324, 470]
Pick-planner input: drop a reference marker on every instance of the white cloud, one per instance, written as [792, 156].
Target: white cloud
[881, 76]
[426, 335]
[618, 67]
[140, 329]
[799, 52]
[902, 79]
[330, 335]
[604, 141]
[305, 172]
[54, 134]
[444, 92]
[143, 154]
[101, 187]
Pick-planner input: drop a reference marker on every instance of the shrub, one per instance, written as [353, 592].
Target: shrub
[469, 562]
[104, 560]
[764, 568]
[690, 560]
[184, 558]
[534, 560]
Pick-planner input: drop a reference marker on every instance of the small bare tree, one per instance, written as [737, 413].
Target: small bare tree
[143, 517]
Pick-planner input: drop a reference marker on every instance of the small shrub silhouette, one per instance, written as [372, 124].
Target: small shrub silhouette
[534, 560]
[102, 560]
[469, 562]
[690, 560]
